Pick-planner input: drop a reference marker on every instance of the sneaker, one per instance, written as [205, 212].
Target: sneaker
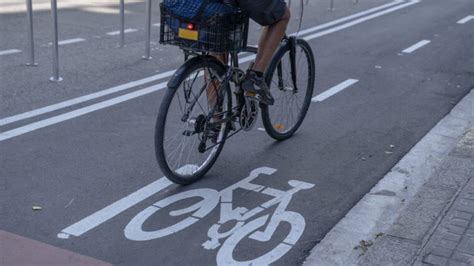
[253, 85]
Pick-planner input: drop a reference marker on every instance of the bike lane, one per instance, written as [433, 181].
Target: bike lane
[97, 159]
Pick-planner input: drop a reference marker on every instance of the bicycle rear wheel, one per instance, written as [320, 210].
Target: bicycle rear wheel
[282, 119]
[188, 135]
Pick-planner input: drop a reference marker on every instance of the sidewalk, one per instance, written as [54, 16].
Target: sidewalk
[420, 213]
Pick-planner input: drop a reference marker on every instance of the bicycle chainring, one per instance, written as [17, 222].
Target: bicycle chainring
[249, 114]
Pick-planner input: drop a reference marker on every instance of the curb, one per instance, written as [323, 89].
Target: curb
[379, 209]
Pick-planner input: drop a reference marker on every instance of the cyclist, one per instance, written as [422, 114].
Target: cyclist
[274, 16]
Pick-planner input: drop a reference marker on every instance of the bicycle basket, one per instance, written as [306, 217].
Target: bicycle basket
[215, 28]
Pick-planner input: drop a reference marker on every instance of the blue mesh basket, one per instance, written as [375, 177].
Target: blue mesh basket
[198, 9]
[215, 27]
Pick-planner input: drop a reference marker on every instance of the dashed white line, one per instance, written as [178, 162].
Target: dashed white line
[156, 24]
[11, 51]
[79, 112]
[416, 46]
[341, 86]
[69, 41]
[466, 19]
[117, 32]
[358, 21]
[57, 106]
[85, 110]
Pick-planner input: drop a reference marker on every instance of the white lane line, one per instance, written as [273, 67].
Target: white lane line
[156, 24]
[358, 21]
[465, 20]
[166, 74]
[10, 51]
[69, 41]
[416, 46]
[82, 99]
[117, 32]
[57, 106]
[107, 213]
[341, 86]
[79, 112]
[344, 19]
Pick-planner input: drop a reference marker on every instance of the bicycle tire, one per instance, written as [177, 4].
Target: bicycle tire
[164, 109]
[266, 110]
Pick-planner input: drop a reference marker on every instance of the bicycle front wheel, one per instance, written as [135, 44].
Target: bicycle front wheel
[188, 134]
[282, 119]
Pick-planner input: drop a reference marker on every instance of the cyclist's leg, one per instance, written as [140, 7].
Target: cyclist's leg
[270, 40]
[274, 15]
[213, 86]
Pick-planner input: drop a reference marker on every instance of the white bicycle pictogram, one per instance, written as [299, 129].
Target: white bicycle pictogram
[247, 222]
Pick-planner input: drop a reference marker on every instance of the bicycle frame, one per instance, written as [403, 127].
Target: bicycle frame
[235, 75]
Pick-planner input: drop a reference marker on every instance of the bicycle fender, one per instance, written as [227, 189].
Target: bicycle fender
[184, 70]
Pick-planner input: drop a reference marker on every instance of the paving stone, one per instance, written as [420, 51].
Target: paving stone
[464, 208]
[470, 232]
[455, 229]
[448, 244]
[457, 263]
[435, 260]
[421, 214]
[450, 236]
[462, 215]
[453, 173]
[460, 222]
[467, 258]
[442, 252]
[467, 202]
[466, 245]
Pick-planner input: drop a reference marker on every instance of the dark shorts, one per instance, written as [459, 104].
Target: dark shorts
[264, 12]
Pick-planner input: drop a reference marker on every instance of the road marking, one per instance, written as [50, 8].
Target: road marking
[68, 41]
[341, 86]
[416, 46]
[465, 20]
[117, 32]
[11, 51]
[358, 21]
[107, 213]
[79, 112]
[344, 19]
[82, 99]
[51, 121]
[156, 24]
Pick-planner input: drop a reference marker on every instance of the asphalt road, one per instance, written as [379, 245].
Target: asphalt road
[75, 165]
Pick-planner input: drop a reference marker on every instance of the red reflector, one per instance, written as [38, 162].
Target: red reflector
[190, 26]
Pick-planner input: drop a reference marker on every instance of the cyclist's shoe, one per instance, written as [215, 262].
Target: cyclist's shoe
[255, 86]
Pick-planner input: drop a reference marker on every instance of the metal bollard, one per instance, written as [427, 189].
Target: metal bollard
[331, 6]
[54, 14]
[122, 23]
[29, 10]
[147, 55]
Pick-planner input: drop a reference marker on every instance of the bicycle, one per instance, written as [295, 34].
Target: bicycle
[245, 223]
[200, 110]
